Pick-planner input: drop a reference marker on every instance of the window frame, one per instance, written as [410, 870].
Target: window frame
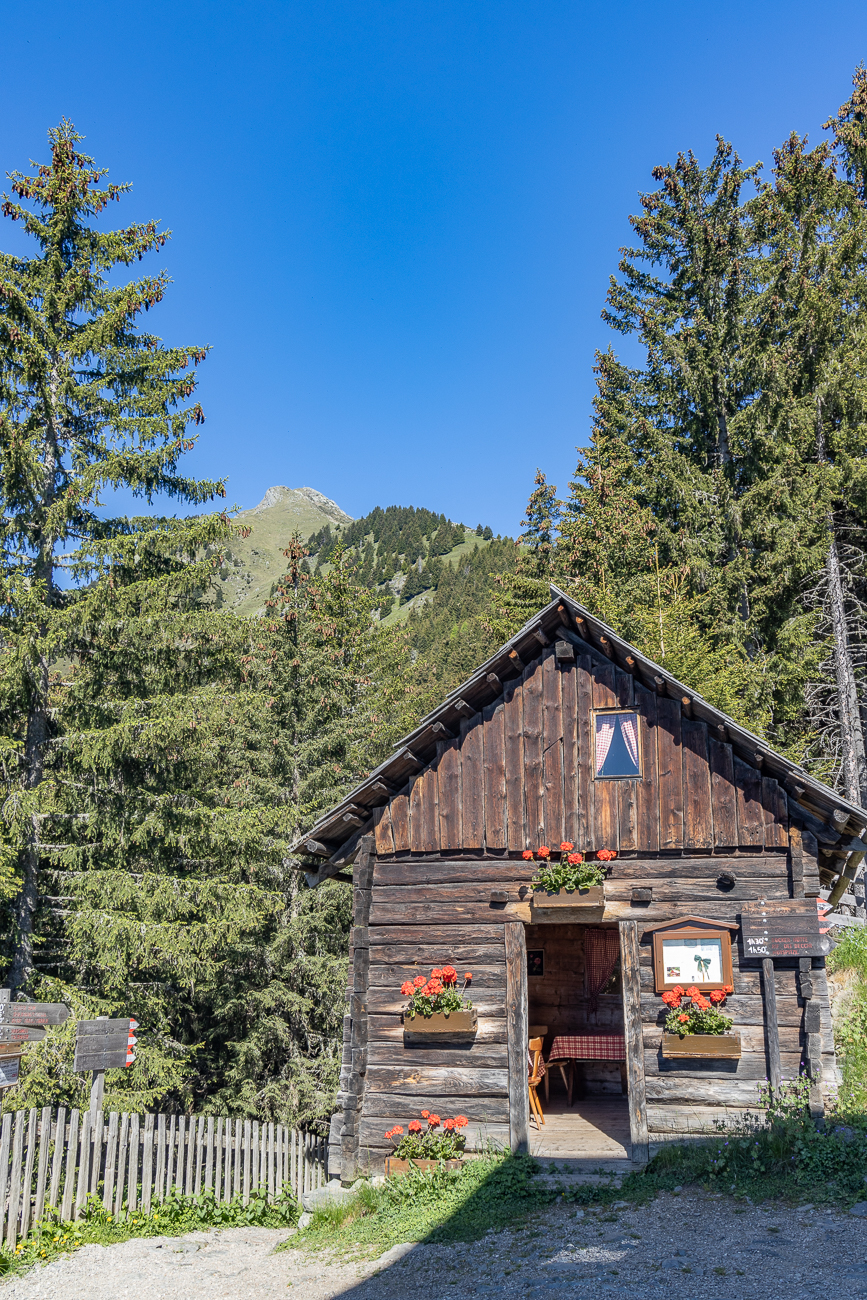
[692, 928]
[596, 713]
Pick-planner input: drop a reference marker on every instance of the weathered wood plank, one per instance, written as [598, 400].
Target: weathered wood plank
[496, 833]
[485, 977]
[29, 1160]
[382, 914]
[466, 956]
[56, 1161]
[438, 935]
[772, 1027]
[569, 749]
[552, 753]
[669, 757]
[513, 735]
[647, 797]
[684, 1088]
[796, 855]
[723, 794]
[430, 840]
[516, 1021]
[71, 1163]
[382, 1000]
[121, 1165]
[533, 775]
[698, 815]
[416, 813]
[477, 1055]
[751, 816]
[687, 891]
[382, 829]
[776, 813]
[472, 783]
[441, 1081]
[400, 823]
[632, 1028]
[478, 1110]
[42, 1171]
[586, 819]
[449, 795]
[446, 894]
[627, 791]
[709, 866]
[431, 871]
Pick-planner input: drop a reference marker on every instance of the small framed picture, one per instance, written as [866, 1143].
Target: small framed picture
[535, 962]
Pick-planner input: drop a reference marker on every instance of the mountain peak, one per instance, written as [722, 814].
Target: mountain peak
[300, 496]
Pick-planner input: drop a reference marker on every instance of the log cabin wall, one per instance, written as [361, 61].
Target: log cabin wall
[520, 775]
[700, 828]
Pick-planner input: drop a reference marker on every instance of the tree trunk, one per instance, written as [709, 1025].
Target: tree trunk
[851, 730]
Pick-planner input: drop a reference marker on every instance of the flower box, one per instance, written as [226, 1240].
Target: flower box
[460, 1026]
[395, 1168]
[712, 1046]
[592, 897]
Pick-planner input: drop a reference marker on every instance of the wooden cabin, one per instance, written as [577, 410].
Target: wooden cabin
[570, 734]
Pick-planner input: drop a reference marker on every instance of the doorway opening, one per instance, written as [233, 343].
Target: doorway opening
[575, 1006]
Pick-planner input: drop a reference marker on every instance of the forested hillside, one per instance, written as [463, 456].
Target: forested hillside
[167, 728]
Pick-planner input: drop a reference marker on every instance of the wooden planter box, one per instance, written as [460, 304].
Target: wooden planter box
[457, 1026]
[395, 1168]
[714, 1046]
[591, 898]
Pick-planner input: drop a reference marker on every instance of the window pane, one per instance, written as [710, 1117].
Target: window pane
[617, 744]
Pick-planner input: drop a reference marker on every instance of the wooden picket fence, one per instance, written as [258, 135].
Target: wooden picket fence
[54, 1160]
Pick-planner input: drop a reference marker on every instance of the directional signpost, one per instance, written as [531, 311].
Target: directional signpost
[792, 928]
[102, 1045]
[20, 1023]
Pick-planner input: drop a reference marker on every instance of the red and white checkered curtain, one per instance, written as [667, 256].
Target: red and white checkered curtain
[604, 737]
[629, 732]
[601, 951]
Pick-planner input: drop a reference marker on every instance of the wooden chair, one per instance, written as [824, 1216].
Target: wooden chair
[536, 1074]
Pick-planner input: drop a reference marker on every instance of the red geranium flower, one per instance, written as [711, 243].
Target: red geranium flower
[669, 998]
[729, 988]
[425, 1114]
[566, 847]
[574, 858]
[468, 975]
[448, 1124]
[692, 992]
[461, 1121]
[407, 989]
[414, 1126]
[677, 991]
[419, 981]
[527, 854]
[606, 855]
[717, 995]
[436, 973]
[683, 1019]
[449, 974]
[543, 851]
[434, 1121]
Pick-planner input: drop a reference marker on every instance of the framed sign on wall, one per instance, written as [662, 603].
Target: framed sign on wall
[535, 962]
[692, 950]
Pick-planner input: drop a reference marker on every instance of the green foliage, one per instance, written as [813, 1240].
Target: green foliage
[849, 957]
[697, 1020]
[568, 875]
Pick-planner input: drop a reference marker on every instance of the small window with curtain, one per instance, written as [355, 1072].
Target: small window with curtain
[617, 751]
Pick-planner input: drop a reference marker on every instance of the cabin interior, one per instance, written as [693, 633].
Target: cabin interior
[574, 989]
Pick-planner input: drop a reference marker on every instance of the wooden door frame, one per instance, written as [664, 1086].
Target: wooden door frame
[634, 1039]
[517, 1031]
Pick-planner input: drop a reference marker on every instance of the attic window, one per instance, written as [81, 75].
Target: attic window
[617, 752]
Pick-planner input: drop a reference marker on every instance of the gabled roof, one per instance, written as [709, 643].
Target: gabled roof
[336, 834]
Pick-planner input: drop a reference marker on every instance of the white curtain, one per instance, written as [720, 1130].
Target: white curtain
[604, 737]
[629, 732]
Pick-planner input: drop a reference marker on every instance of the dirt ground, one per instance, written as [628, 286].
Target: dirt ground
[681, 1247]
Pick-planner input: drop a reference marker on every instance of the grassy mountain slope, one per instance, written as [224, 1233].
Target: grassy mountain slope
[256, 561]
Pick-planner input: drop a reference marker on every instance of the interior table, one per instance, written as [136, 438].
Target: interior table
[569, 1049]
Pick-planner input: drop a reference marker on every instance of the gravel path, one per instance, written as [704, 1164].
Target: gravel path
[694, 1245]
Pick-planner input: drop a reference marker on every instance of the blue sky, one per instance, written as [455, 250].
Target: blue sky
[394, 222]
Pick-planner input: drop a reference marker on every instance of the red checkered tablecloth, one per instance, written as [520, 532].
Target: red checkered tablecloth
[588, 1047]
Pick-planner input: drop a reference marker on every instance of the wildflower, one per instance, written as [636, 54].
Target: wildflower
[407, 989]
[419, 981]
[566, 847]
[543, 851]
[527, 855]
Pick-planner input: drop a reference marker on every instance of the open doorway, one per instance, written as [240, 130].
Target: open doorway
[575, 1005]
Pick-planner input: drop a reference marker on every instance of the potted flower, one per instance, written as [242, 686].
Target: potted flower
[439, 1143]
[698, 1027]
[436, 1006]
[572, 881]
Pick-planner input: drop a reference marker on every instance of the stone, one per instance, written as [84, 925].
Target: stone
[397, 1252]
[333, 1191]
[305, 1221]
[859, 1210]
[579, 1214]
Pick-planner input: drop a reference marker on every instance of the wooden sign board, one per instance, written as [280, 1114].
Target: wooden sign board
[10, 1049]
[20, 1034]
[785, 928]
[33, 1013]
[9, 1070]
[102, 1044]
